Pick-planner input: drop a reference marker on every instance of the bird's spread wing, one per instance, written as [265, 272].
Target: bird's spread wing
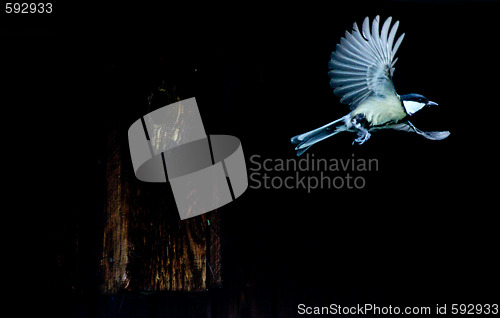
[363, 63]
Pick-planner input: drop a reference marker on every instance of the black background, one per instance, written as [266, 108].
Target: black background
[423, 231]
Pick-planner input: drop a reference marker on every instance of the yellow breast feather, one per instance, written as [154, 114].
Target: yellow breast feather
[380, 111]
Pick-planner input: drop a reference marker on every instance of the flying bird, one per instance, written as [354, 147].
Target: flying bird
[361, 70]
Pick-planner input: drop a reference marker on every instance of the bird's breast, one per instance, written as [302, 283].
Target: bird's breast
[381, 111]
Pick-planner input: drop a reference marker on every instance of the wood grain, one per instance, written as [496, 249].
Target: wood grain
[146, 247]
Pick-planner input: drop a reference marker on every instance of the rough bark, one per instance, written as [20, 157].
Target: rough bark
[146, 247]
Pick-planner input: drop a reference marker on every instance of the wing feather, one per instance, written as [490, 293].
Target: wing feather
[376, 37]
[347, 67]
[350, 60]
[384, 35]
[347, 88]
[343, 74]
[348, 80]
[363, 62]
[398, 43]
[352, 41]
[354, 96]
[366, 28]
[351, 53]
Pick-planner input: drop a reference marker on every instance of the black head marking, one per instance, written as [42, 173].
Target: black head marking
[415, 98]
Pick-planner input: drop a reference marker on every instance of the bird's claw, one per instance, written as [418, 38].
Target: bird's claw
[362, 138]
[360, 124]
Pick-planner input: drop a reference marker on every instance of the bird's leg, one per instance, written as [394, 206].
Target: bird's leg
[360, 123]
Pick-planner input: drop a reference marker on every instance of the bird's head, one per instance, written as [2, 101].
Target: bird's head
[415, 102]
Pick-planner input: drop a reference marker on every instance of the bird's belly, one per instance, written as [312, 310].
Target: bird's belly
[379, 111]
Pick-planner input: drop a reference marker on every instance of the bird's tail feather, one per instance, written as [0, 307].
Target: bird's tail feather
[306, 140]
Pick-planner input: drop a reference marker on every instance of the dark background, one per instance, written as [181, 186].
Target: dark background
[422, 232]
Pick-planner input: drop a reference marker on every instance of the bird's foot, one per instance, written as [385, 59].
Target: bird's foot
[363, 136]
[359, 122]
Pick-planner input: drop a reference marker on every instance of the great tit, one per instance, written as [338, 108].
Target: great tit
[361, 70]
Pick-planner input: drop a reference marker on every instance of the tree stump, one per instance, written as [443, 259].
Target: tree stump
[146, 247]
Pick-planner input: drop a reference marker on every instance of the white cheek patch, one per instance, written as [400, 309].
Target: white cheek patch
[412, 107]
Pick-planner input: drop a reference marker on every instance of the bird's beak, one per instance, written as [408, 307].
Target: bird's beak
[430, 103]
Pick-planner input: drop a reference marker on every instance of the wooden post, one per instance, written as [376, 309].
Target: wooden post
[146, 247]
